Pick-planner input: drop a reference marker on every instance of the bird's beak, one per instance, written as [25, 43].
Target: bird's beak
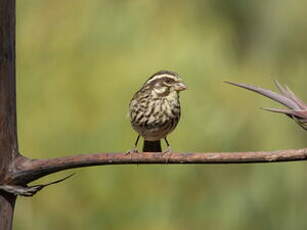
[180, 86]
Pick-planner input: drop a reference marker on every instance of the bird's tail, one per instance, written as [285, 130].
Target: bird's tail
[152, 146]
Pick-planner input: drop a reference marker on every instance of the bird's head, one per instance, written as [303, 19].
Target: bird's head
[165, 82]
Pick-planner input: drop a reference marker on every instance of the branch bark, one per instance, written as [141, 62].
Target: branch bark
[26, 170]
[8, 132]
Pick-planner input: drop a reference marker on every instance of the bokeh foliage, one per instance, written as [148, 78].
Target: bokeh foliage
[79, 63]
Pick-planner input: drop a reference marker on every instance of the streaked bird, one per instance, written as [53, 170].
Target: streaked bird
[154, 110]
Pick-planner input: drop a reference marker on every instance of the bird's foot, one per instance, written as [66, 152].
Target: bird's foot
[168, 150]
[131, 151]
[166, 153]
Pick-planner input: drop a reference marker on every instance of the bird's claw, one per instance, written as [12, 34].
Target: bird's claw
[131, 152]
[168, 150]
[166, 153]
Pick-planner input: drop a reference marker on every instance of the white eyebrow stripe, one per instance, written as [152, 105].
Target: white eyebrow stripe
[162, 76]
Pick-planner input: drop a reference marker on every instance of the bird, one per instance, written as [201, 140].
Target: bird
[154, 109]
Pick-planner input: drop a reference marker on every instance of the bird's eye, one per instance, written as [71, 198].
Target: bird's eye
[168, 81]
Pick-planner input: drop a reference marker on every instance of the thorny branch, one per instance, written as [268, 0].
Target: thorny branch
[297, 108]
[29, 170]
[24, 170]
[29, 190]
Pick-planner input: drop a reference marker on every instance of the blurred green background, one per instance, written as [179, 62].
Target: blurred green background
[78, 65]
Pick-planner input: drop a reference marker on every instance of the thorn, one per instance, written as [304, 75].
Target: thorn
[285, 111]
[280, 98]
[19, 190]
[57, 181]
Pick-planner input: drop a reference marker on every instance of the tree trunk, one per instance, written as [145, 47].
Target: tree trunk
[8, 132]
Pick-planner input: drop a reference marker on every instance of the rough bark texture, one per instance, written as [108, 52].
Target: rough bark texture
[28, 170]
[8, 133]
